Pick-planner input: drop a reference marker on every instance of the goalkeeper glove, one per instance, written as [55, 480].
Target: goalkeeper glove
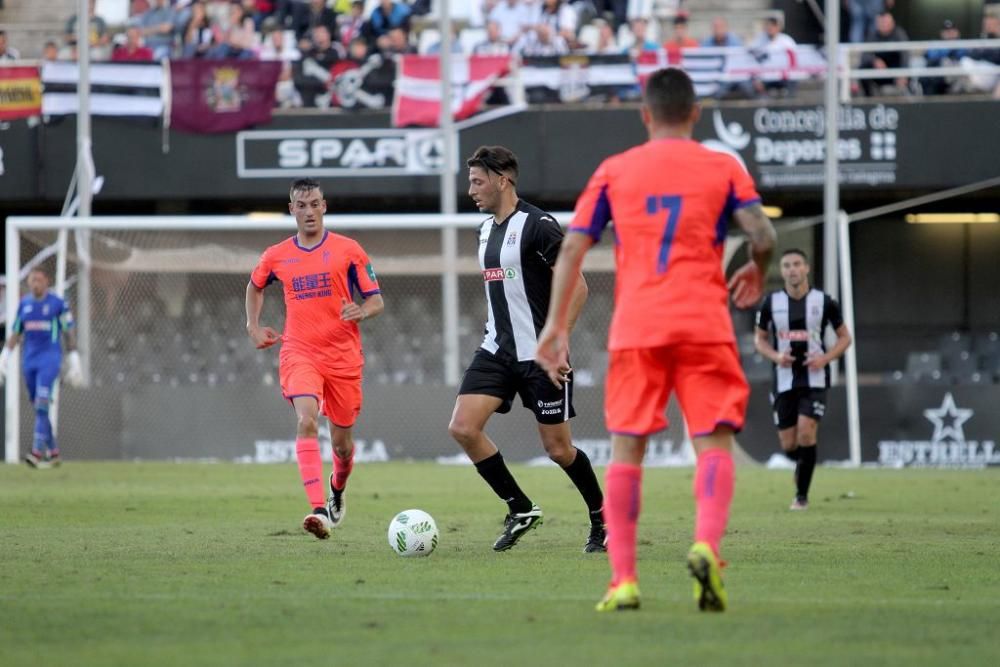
[4, 356]
[74, 369]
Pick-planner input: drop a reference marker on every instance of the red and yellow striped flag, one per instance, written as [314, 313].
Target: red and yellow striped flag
[20, 92]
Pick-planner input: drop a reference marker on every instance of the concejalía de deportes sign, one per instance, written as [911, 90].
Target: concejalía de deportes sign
[787, 146]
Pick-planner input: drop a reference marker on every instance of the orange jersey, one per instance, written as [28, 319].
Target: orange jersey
[315, 281]
[671, 200]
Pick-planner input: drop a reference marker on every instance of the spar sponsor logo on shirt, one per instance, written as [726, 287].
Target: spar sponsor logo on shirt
[491, 275]
[947, 448]
[795, 335]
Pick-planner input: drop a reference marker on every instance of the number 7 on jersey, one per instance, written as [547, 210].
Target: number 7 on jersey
[672, 204]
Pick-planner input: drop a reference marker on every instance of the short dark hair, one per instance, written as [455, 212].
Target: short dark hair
[773, 20]
[38, 269]
[796, 251]
[498, 159]
[670, 95]
[303, 185]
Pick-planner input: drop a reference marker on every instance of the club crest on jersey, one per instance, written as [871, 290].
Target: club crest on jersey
[491, 275]
[45, 309]
[326, 256]
[512, 239]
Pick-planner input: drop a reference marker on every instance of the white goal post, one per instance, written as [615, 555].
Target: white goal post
[178, 259]
[18, 225]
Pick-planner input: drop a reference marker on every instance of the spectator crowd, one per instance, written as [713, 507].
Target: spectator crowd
[312, 38]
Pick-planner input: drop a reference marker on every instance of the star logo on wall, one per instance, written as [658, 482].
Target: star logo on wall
[948, 420]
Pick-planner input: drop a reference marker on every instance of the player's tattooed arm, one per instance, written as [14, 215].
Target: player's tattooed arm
[757, 226]
[372, 306]
[747, 283]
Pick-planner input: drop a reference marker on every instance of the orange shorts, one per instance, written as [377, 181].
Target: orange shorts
[338, 391]
[708, 380]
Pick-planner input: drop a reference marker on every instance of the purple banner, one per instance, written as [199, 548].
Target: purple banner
[222, 95]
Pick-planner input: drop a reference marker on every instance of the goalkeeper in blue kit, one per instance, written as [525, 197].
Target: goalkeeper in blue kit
[42, 318]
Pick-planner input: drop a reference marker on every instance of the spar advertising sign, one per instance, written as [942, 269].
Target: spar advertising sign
[338, 153]
[786, 147]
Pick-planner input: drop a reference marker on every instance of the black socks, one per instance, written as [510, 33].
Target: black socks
[582, 474]
[804, 471]
[495, 472]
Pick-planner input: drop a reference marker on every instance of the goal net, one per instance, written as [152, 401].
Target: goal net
[171, 373]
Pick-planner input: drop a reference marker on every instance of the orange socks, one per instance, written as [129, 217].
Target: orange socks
[622, 496]
[342, 470]
[311, 469]
[713, 493]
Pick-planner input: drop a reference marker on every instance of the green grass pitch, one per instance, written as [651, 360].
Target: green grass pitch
[200, 564]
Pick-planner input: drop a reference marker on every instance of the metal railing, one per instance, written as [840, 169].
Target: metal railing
[851, 70]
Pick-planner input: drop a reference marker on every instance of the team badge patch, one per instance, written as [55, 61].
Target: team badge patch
[371, 272]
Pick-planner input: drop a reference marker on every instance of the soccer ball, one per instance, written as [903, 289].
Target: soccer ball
[413, 533]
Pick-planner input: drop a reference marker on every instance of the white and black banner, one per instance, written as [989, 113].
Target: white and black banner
[573, 78]
[116, 89]
[712, 69]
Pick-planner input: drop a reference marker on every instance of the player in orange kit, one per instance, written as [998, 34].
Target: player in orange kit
[671, 200]
[321, 357]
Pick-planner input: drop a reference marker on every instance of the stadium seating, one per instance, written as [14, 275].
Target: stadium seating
[960, 358]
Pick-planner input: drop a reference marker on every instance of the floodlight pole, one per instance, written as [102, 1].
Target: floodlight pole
[449, 233]
[831, 184]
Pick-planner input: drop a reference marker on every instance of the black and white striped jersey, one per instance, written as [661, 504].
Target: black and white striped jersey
[516, 257]
[798, 325]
